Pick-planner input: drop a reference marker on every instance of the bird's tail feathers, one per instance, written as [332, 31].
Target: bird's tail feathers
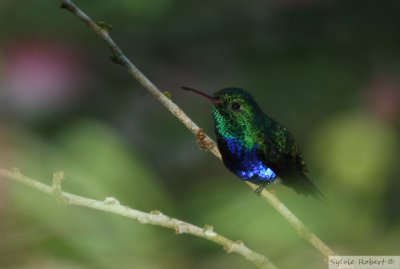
[303, 185]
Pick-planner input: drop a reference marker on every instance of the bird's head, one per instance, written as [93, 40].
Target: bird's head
[234, 108]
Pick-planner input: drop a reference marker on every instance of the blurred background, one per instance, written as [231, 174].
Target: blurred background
[328, 70]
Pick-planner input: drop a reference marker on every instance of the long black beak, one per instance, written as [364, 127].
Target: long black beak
[213, 100]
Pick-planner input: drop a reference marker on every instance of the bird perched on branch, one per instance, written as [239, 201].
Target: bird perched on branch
[254, 146]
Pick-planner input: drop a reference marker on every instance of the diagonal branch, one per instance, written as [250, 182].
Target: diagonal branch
[119, 57]
[206, 142]
[156, 218]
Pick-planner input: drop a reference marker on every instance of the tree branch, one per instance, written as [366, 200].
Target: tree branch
[119, 57]
[204, 140]
[156, 218]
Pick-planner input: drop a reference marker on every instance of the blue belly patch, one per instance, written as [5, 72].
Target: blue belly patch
[245, 163]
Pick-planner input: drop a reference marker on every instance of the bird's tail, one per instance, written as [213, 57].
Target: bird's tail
[303, 185]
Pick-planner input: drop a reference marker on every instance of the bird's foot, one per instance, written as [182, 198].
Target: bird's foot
[260, 187]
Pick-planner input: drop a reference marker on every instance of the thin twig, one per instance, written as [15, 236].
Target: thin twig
[119, 57]
[157, 218]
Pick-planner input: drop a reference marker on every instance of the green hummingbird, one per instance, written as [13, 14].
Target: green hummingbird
[254, 146]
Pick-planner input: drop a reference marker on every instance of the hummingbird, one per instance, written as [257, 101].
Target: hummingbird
[255, 147]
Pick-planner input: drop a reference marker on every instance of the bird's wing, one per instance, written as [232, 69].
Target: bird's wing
[280, 152]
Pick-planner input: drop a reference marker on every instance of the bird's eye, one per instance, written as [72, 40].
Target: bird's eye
[235, 106]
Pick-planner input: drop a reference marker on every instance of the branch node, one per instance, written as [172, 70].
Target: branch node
[58, 177]
[116, 59]
[201, 139]
[177, 230]
[180, 229]
[229, 248]
[155, 212]
[168, 94]
[239, 242]
[302, 232]
[209, 230]
[105, 26]
[111, 201]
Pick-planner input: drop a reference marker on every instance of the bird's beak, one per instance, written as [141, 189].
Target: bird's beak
[213, 100]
